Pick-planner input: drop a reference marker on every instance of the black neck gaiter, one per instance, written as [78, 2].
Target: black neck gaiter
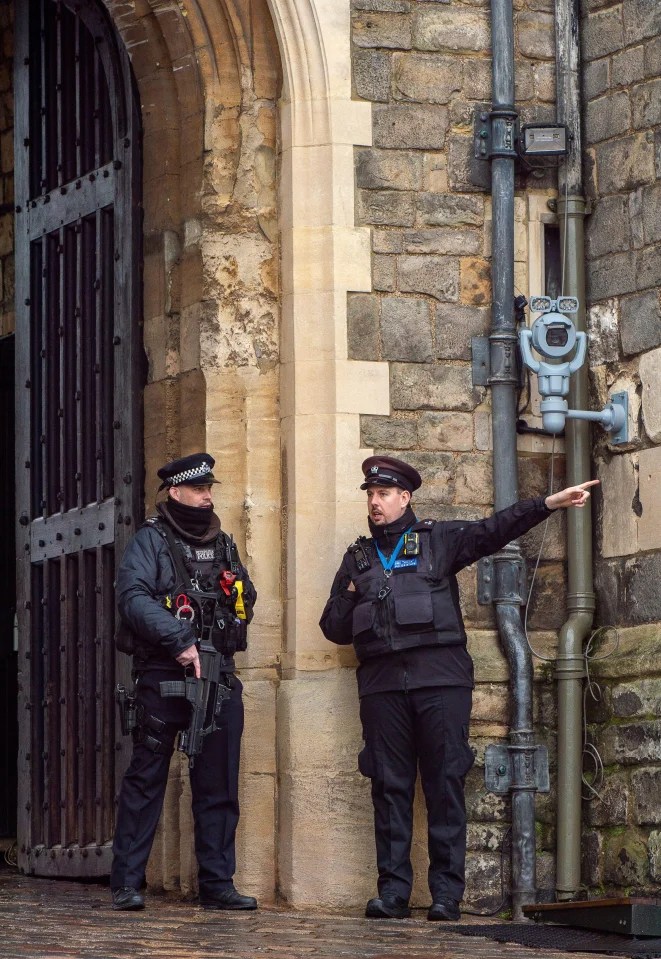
[386, 536]
[194, 522]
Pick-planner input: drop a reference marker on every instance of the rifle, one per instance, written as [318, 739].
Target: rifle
[205, 695]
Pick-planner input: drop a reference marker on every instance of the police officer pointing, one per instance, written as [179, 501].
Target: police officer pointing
[395, 596]
[175, 559]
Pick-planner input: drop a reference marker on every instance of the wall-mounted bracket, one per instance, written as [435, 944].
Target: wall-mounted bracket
[532, 768]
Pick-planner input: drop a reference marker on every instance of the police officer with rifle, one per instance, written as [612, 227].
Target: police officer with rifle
[184, 600]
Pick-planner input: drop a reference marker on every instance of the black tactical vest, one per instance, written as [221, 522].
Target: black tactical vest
[416, 610]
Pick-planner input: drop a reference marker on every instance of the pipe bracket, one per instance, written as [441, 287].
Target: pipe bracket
[513, 767]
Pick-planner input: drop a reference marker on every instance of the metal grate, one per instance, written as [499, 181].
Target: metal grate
[562, 939]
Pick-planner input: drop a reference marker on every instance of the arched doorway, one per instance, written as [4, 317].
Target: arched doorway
[79, 436]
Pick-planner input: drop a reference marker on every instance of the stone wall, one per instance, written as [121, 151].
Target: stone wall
[622, 99]
[6, 170]
[426, 67]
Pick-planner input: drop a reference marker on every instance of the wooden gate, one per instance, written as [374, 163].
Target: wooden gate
[78, 400]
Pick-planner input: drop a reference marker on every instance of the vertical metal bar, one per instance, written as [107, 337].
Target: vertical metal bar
[107, 297]
[97, 298]
[57, 95]
[68, 271]
[87, 651]
[89, 362]
[106, 632]
[76, 235]
[69, 695]
[41, 181]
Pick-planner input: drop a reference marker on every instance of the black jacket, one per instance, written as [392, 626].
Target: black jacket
[454, 545]
[145, 576]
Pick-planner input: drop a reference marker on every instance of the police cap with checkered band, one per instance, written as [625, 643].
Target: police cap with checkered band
[388, 471]
[194, 470]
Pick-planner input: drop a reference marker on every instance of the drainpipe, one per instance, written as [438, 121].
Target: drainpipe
[570, 667]
[503, 382]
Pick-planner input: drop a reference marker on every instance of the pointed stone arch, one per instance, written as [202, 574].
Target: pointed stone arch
[246, 335]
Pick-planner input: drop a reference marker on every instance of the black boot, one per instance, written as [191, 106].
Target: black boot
[127, 898]
[227, 899]
[444, 909]
[388, 906]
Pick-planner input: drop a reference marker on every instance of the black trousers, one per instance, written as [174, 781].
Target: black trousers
[403, 731]
[214, 781]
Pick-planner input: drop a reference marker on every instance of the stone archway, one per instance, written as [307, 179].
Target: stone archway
[245, 331]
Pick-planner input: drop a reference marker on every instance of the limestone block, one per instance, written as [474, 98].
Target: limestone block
[435, 276]
[625, 164]
[611, 808]
[448, 240]
[596, 78]
[442, 387]
[483, 432]
[535, 35]
[321, 791]
[378, 29]
[648, 268]
[544, 82]
[649, 525]
[410, 126]
[388, 432]
[592, 857]
[450, 210]
[490, 703]
[654, 847]
[256, 838]
[483, 877]
[619, 491]
[387, 241]
[430, 79]
[384, 273]
[451, 29]
[386, 208]
[445, 431]
[626, 860]
[475, 281]
[455, 326]
[473, 480]
[602, 33]
[628, 66]
[651, 213]
[435, 173]
[385, 6]
[603, 333]
[388, 170]
[650, 371]
[476, 615]
[489, 659]
[646, 103]
[406, 329]
[607, 229]
[645, 785]
[607, 117]
[612, 275]
[547, 602]
[363, 327]
[637, 699]
[637, 648]
[630, 744]
[437, 472]
[371, 75]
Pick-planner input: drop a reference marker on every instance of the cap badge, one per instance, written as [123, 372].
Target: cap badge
[374, 469]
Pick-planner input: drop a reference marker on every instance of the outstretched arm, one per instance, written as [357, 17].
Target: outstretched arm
[571, 496]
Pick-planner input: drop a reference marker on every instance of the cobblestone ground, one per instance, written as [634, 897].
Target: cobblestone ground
[56, 919]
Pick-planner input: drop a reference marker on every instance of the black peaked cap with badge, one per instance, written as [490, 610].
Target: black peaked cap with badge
[195, 470]
[388, 471]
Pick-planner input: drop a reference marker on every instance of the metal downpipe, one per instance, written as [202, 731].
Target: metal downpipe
[503, 383]
[570, 666]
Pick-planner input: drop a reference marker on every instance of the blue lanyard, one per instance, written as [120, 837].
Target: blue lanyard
[389, 563]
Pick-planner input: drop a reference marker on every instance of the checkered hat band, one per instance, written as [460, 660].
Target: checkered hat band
[189, 474]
